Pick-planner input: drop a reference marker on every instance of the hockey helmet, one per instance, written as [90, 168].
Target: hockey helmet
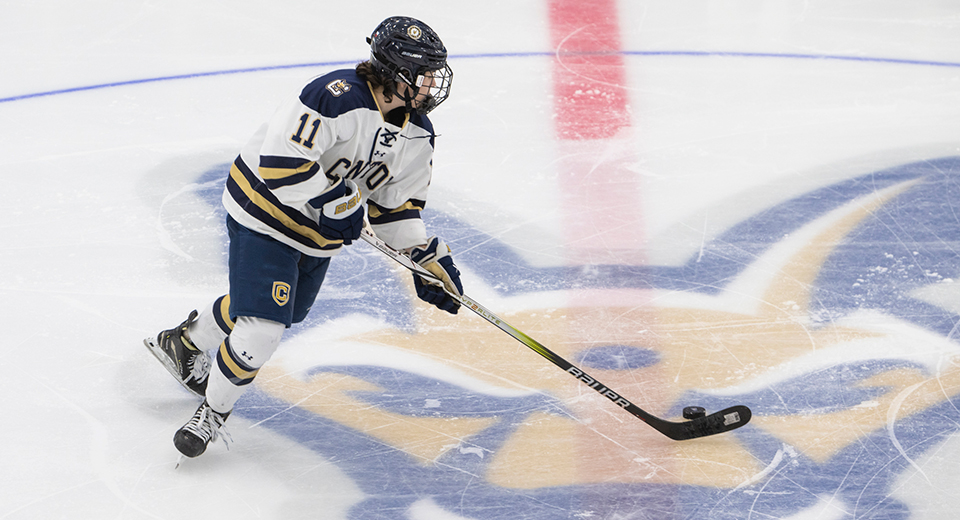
[407, 50]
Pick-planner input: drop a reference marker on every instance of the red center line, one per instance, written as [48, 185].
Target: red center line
[602, 225]
[600, 193]
[588, 73]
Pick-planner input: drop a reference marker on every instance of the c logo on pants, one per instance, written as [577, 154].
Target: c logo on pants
[281, 293]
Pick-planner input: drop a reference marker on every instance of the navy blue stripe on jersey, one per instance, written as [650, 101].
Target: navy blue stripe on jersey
[337, 93]
[409, 210]
[238, 372]
[277, 171]
[255, 199]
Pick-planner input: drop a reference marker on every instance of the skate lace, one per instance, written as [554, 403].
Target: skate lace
[199, 367]
[209, 426]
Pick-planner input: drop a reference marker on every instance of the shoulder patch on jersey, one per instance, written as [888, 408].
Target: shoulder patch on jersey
[337, 93]
[338, 87]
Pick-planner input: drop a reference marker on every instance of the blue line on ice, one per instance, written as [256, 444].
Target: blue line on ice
[868, 59]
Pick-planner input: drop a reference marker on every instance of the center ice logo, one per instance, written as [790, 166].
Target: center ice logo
[832, 315]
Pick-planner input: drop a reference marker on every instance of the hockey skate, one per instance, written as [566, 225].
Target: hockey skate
[189, 365]
[204, 427]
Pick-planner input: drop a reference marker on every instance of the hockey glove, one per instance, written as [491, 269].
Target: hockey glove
[435, 257]
[341, 215]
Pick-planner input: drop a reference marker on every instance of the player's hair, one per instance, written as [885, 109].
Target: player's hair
[369, 72]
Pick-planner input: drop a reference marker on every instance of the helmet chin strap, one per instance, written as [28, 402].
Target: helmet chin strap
[407, 97]
[408, 104]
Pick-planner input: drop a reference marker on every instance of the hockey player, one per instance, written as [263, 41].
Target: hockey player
[350, 141]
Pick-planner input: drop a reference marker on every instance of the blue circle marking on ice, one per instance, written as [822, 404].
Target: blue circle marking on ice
[695, 54]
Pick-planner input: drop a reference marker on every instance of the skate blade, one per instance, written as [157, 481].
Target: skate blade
[154, 349]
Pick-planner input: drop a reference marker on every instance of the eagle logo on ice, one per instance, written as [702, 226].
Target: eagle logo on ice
[832, 314]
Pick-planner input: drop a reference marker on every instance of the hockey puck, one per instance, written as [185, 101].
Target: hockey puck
[694, 412]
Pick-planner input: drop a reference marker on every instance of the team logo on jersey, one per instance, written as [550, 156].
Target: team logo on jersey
[388, 137]
[414, 32]
[281, 293]
[373, 174]
[338, 87]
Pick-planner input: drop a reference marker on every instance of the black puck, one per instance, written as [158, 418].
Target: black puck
[694, 412]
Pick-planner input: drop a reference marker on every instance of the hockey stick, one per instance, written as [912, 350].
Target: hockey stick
[700, 425]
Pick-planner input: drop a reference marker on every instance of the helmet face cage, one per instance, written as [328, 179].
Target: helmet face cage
[406, 50]
[437, 84]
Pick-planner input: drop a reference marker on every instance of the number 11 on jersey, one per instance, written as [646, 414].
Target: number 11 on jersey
[298, 136]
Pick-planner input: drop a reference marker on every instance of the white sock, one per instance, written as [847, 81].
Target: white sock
[240, 356]
[212, 325]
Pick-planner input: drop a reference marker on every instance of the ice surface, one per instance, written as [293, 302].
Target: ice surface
[775, 225]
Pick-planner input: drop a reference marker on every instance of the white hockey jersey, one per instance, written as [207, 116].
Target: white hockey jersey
[334, 128]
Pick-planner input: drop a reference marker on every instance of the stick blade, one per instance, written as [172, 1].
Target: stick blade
[718, 422]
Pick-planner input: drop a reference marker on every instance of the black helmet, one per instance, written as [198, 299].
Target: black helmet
[406, 49]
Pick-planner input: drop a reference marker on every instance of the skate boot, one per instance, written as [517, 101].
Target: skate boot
[204, 427]
[188, 364]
